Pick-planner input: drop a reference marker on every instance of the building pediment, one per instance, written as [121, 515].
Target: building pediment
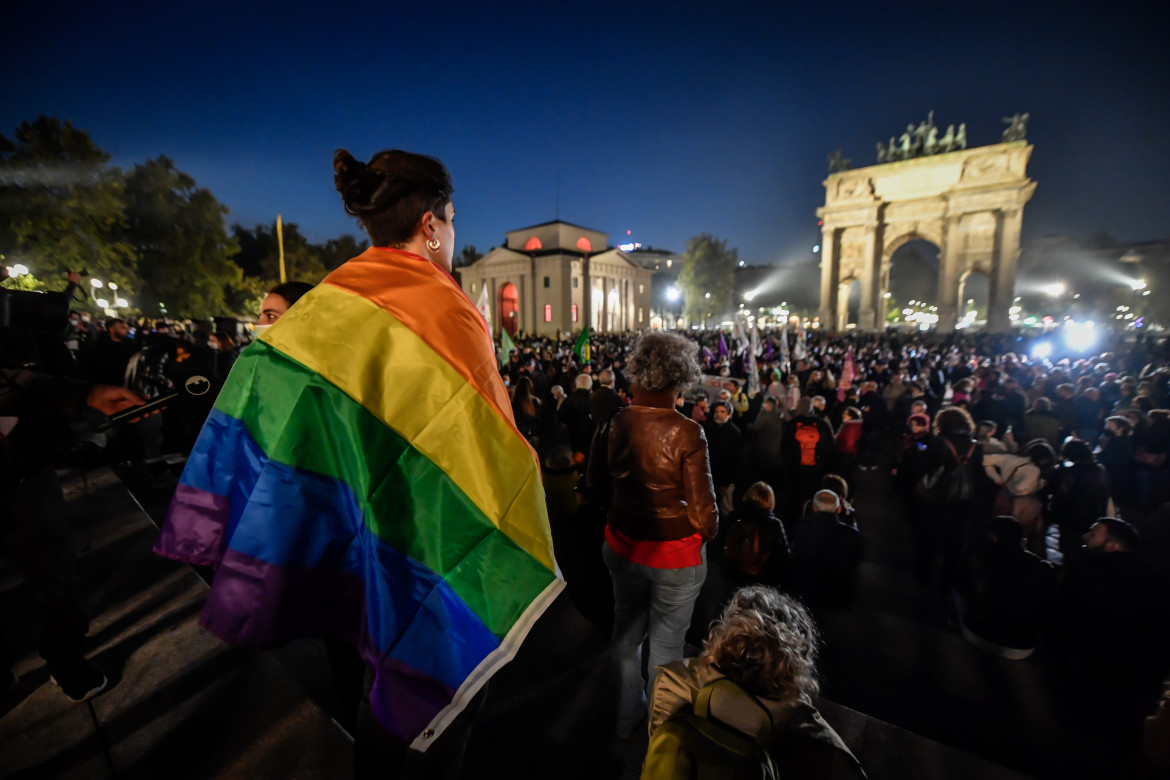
[616, 258]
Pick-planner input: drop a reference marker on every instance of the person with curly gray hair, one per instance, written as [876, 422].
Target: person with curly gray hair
[766, 643]
[648, 466]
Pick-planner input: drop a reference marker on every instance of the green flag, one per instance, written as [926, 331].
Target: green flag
[581, 348]
[506, 346]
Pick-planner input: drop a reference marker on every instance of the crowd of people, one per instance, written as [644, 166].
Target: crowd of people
[1035, 492]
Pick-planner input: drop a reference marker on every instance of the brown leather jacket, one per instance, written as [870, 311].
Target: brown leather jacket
[656, 478]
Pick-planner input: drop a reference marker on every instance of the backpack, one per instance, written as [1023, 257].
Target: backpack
[950, 481]
[744, 552]
[808, 439]
[694, 745]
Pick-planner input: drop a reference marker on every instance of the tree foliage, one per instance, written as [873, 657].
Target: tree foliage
[259, 254]
[61, 207]
[708, 266]
[337, 250]
[183, 249]
[467, 256]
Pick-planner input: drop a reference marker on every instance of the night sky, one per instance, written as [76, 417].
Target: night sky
[657, 120]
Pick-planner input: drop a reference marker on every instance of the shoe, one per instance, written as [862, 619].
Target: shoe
[79, 680]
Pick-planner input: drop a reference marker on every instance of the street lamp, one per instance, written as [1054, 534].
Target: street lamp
[1056, 289]
[1138, 284]
[96, 282]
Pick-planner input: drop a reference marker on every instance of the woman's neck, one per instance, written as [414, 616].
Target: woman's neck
[659, 399]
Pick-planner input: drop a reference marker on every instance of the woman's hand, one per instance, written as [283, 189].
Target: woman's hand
[109, 399]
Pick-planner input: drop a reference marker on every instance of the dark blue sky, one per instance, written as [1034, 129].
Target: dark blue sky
[660, 120]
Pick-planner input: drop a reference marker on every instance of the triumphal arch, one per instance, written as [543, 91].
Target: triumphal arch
[968, 202]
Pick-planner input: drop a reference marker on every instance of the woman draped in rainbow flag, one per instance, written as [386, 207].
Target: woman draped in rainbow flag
[361, 476]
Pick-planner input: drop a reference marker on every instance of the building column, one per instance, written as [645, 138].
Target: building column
[948, 277]
[522, 304]
[1002, 285]
[585, 314]
[830, 262]
[604, 324]
[493, 304]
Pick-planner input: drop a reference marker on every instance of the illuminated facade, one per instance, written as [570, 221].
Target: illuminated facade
[537, 282]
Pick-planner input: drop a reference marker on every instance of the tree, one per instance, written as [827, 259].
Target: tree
[337, 250]
[467, 256]
[259, 254]
[182, 246]
[708, 266]
[61, 206]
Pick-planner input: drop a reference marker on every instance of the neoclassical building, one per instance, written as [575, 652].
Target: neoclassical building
[537, 282]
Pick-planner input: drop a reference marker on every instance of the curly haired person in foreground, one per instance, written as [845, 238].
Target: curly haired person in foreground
[766, 643]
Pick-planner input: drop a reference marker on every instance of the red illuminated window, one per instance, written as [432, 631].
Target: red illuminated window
[574, 312]
[532, 244]
[548, 312]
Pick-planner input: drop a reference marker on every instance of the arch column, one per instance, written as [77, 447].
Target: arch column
[1001, 287]
[867, 318]
[948, 277]
[830, 267]
[842, 306]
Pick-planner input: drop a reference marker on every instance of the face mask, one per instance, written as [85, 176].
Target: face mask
[259, 329]
[213, 346]
[74, 323]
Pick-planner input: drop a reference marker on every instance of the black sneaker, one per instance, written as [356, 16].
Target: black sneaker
[79, 681]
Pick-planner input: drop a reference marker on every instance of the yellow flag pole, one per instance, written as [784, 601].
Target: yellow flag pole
[280, 248]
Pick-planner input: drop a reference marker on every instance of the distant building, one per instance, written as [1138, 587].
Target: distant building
[537, 282]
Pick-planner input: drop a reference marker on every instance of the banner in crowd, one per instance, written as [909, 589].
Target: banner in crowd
[337, 498]
[753, 371]
[484, 306]
[507, 346]
[582, 349]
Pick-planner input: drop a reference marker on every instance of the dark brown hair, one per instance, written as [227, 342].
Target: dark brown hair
[391, 193]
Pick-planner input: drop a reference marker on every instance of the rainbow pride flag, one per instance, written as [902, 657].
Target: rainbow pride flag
[361, 477]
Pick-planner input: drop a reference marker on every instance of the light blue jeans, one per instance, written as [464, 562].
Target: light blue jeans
[648, 602]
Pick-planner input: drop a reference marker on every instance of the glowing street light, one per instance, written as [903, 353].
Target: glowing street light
[112, 286]
[96, 282]
[816, 248]
[749, 295]
[672, 293]
[1056, 289]
[708, 295]
[20, 269]
[102, 302]
[121, 303]
[1138, 284]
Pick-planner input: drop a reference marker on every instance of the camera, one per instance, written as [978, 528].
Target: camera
[43, 311]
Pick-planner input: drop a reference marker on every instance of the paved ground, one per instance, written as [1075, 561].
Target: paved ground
[187, 706]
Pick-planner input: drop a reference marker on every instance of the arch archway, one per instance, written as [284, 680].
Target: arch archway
[911, 273]
[974, 294]
[509, 308]
[968, 203]
[848, 302]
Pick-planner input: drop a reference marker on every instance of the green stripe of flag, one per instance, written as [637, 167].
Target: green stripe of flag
[300, 419]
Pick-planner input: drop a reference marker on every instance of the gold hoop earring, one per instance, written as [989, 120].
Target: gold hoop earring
[433, 244]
